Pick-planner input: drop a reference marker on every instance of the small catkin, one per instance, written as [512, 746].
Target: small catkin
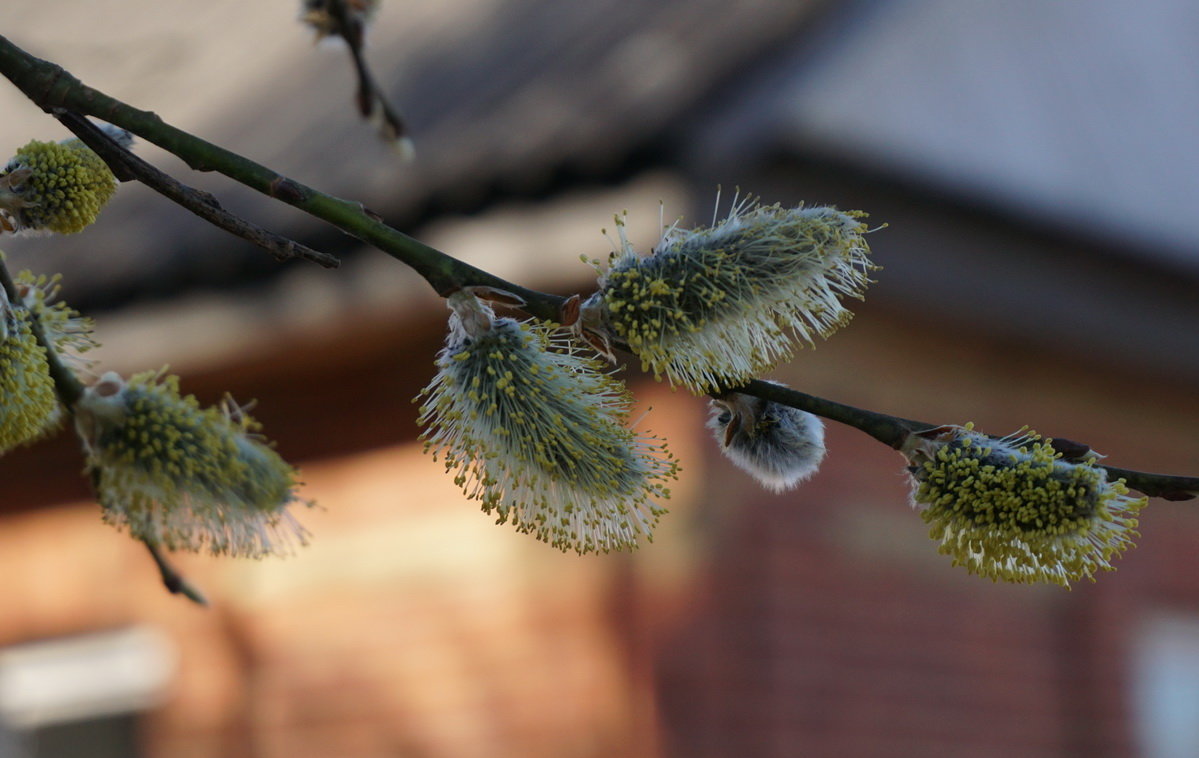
[54, 187]
[185, 477]
[778, 445]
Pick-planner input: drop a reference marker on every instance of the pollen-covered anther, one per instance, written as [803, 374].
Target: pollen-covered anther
[778, 445]
[714, 307]
[1013, 509]
[535, 432]
[184, 477]
[54, 187]
[69, 333]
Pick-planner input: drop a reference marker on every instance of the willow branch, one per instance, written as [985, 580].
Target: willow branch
[1165, 486]
[54, 90]
[889, 430]
[126, 165]
[69, 389]
[894, 431]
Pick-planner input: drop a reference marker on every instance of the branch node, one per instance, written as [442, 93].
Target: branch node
[282, 188]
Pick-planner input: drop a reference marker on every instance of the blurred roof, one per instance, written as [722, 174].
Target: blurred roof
[501, 98]
[1078, 115]
[1069, 124]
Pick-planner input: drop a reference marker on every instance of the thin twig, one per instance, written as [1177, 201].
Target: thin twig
[1165, 486]
[53, 89]
[175, 582]
[69, 390]
[125, 164]
[369, 96]
[889, 430]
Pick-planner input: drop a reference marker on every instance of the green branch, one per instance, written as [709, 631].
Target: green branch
[55, 90]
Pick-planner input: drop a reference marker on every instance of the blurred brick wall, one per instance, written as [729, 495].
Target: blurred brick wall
[411, 626]
[818, 623]
[826, 624]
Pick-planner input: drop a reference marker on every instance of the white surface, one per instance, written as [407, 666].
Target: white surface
[1080, 111]
[83, 677]
[1166, 687]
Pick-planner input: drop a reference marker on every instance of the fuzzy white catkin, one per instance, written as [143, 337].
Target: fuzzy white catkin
[778, 445]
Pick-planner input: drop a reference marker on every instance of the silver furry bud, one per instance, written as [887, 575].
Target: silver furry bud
[778, 445]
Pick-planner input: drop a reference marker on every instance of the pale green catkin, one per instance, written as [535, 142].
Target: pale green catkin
[535, 431]
[182, 476]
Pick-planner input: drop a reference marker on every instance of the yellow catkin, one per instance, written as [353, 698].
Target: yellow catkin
[29, 407]
[1012, 509]
[54, 186]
